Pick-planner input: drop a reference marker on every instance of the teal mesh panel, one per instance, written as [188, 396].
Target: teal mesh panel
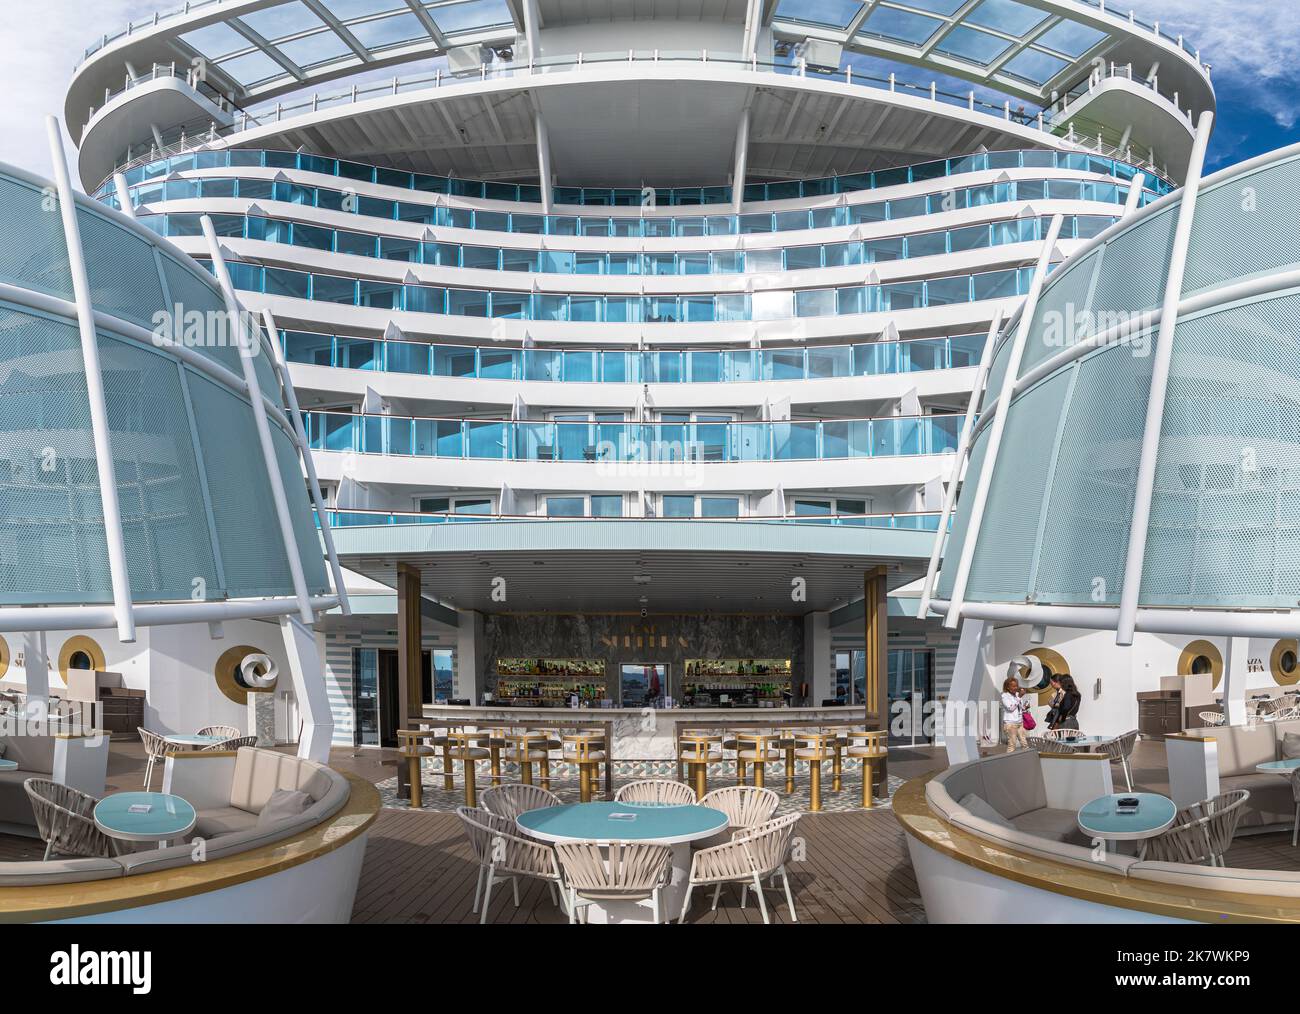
[52, 547]
[33, 253]
[1004, 554]
[195, 300]
[304, 524]
[1135, 265]
[265, 370]
[123, 275]
[164, 523]
[1225, 510]
[961, 517]
[1258, 211]
[1090, 505]
[998, 371]
[1057, 321]
[248, 533]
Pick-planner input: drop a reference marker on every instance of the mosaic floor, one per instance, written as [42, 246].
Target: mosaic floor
[564, 783]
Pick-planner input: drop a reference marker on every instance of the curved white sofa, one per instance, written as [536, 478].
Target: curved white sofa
[994, 840]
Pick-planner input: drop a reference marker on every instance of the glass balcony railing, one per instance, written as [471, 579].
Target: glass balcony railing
[586, 263]
[372, 519]
[784, 304]
[613, 442]
[600, 366]
[162, 169]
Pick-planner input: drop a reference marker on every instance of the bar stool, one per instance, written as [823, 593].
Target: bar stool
[758, 749]
[526, 749]
[869, 746]
[586, 749]
[787, 745]
[814, 747]
[469, 748]
[842, 732]
[731, 742]
[414, 746]
[696, 750]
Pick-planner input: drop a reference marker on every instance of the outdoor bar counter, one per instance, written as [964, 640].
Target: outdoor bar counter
[646, 733]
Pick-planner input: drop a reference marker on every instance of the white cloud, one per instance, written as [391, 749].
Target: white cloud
[40, 47]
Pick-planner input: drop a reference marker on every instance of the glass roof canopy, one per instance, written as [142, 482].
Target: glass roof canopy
[290, 42]
[1021, 47]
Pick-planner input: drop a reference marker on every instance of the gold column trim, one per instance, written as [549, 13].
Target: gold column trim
[1197, 649]
[4, 657]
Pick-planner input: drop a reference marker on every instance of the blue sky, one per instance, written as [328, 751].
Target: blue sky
[1253, 45]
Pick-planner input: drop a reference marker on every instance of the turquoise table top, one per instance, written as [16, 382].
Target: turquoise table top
[194, 740]
[669, 825]
[8, 765]
[168, 817]
[1100, 819]
[1283, 767]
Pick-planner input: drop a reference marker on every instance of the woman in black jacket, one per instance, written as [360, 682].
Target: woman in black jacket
[1067, 703]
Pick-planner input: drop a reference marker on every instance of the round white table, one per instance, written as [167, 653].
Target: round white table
[194, 742]
[1278, 767]
[168, 817]
[1099, 818]
[674, 826]
[8, 765]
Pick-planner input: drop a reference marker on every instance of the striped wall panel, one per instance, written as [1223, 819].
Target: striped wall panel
[339, 646]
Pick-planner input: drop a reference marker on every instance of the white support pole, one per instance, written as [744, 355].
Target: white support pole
[1235, 668]
[999, 424]
[543, 159]
[118, 573]
[1162, 358]
[741, 164]
[959, 462]
[1134, 194]
[961, 712]
[309, 690]
[273, 476]
[123, 195]
[313, 483]
[36, 667]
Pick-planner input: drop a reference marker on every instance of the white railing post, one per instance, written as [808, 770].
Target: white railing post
[963, 448]
[119, 576]
[273, 476]
[1161, 360]
[999, 425]
[295, 415]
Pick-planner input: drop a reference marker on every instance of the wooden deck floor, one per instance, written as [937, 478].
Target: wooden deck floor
[851, 868]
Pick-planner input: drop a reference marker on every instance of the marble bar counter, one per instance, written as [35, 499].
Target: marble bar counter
[646, 733]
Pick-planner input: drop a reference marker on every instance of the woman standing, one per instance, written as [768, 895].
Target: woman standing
[1013, 715]
[1067, 707]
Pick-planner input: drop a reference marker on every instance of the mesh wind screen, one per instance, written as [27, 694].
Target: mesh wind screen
[52, 547]
[123, 274]
[1135, 265]
[295, 491]
[248, 533]
[33, 253]
[961, 517]
[194, 303]
[1005, 552]
[1057, 324]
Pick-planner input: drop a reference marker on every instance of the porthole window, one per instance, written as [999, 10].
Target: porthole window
[1284, 662]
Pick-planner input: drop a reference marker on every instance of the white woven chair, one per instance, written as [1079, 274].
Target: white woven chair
[502, 854]
[1213, 718]
[1061, 735]
[656, 790]
[745, 860]
[616, 871]
[155, 750]
[1119, 749]
[1041, 744]
[1201, 832]
[224, 731]
[1295, 793]
[515, 798]
[232, 744]
[65, 821]
[745, 806]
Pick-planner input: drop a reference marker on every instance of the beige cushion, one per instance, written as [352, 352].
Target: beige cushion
[1241, 748]
[284, 804]
[1290, 745]
[1058, 825]
[34, 754]
[1218, 878]
[1058, 851]
[258, 773]
[1013, 783]
[223, 820]
[962, 780]
[15, 807]
[1271, 800]
[979, 807]
[58, 871]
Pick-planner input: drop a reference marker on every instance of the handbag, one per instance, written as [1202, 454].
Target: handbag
[1028, 719]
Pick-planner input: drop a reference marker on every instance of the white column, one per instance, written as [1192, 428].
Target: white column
[36, 666]
[817, 656]
[1162, 359]
[471, 681]
[123, 195]
[1234, 680]
[741, 163]
[543, 159]
[118, 574]
[961, 714]
[309, 688]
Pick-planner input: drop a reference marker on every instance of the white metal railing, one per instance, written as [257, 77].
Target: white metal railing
[196, 136]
